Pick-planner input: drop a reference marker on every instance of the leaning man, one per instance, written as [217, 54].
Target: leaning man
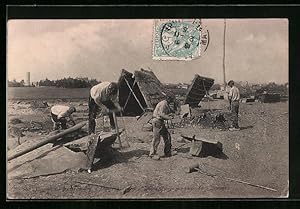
[103, 96]
[234, 99]
[161, 113]
[60, 115]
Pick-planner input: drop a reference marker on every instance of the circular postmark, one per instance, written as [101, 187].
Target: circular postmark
[180, 39]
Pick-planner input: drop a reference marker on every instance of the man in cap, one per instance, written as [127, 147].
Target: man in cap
[161, 113]
[60, 115]
[105, 96]
[234, 98]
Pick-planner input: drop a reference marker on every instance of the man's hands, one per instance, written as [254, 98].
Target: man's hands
[172, 115]
[119, 109]
[72, 122]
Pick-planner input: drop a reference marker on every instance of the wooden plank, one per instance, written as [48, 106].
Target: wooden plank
[201, 146]
[12, 155]
[190, 138]
[199, 84]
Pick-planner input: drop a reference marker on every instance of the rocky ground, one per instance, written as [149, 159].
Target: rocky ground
[258, 154]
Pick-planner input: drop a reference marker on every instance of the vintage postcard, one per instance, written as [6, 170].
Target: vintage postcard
[147, 108]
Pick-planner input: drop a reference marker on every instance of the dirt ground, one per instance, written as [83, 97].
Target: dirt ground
[258, 154]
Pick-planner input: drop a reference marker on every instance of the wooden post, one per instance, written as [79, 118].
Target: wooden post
[224, 41]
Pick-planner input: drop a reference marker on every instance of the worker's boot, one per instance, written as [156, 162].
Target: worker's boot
[170, 154]
[155, 157]
[234, 129]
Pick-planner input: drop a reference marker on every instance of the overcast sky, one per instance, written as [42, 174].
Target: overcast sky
[256, 50]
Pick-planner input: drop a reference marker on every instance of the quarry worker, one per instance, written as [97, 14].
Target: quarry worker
[161, 113]
[103, 96]
[60, 114]
[234, 99]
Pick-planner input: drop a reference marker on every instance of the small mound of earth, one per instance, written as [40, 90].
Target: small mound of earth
[39, 104]
[15, 132]
[15, 121]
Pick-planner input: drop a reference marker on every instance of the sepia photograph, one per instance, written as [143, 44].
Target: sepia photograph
[147, 108]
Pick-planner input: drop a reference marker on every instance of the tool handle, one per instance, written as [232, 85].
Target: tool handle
[117, 128]
[255, 185]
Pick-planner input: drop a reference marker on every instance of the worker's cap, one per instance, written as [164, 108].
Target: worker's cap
[231, 82]
[113, 88]
[72, 109]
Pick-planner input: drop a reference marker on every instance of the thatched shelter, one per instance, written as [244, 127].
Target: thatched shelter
[140, 91]
[197, 90]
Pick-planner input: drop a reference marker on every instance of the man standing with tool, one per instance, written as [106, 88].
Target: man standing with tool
[234, 101]
[60, 115]
[104, 96]
[161, 113]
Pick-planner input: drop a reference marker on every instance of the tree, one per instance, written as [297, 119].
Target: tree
[69, 83]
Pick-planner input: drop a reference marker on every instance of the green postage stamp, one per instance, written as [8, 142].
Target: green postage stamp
[178, 39]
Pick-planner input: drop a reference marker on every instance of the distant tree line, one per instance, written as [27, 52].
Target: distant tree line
[245, 90]
[274, 88]
[15, 83]
[69, 82]
[61, 83]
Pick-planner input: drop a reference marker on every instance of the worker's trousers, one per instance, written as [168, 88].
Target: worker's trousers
[235, 110]
[94, 110]
[159, 129]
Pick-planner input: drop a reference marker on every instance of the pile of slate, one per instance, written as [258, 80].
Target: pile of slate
[210, 119]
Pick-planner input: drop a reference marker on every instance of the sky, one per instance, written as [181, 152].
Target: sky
[256, 50]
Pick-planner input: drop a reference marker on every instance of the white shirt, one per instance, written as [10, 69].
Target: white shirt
[61, 111]
[162, 108]
[234, 93]
[99, 93]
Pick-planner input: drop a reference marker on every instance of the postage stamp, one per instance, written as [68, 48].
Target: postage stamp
[178, 39]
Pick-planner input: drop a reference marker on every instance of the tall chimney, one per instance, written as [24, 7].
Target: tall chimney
[27, 83]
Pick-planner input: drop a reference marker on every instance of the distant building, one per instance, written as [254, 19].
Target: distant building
[182, 86]
[27, 82]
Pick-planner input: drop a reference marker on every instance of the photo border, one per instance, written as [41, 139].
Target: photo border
[292, 13]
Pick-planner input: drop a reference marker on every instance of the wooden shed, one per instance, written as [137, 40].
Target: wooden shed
[197, 90]
[139, 91]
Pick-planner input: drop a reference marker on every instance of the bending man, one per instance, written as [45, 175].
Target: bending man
[59, 115]
[104, 96]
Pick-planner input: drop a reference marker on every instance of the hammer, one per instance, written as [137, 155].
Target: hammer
[196, 167]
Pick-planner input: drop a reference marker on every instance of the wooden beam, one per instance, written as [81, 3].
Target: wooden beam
[47, 140]
[127, 100]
